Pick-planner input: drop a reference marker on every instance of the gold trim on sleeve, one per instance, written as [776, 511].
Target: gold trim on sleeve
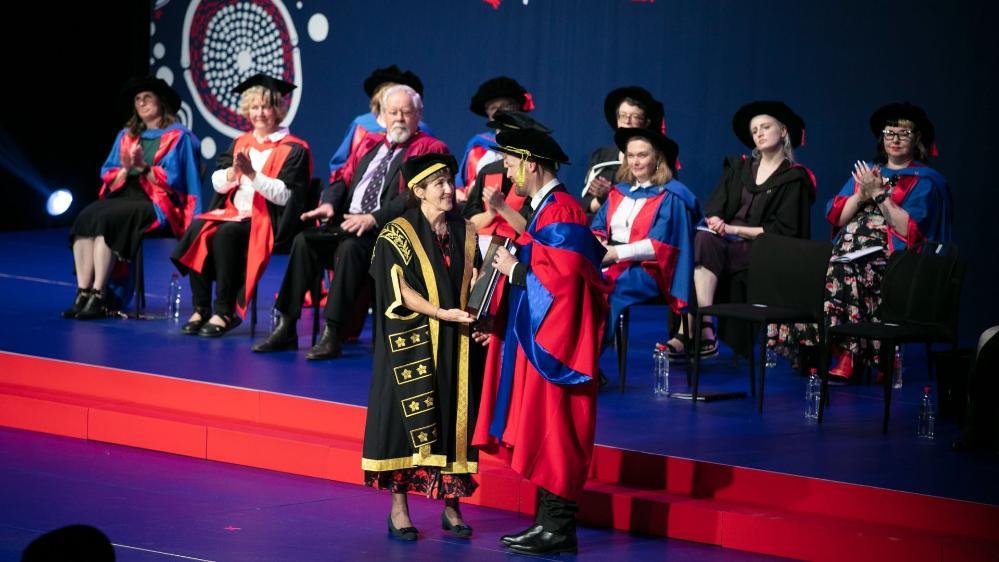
[396, 274]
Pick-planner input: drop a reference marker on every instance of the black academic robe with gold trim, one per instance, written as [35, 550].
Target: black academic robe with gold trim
[426, 377]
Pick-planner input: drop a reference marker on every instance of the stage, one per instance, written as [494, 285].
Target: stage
[715, 473]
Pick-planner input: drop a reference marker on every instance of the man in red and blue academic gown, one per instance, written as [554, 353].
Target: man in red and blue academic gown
[366, 193]
[539, 414]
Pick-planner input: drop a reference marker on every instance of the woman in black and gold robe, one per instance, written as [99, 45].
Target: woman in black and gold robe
[424, 388]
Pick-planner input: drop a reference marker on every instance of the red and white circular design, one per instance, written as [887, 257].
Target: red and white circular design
[226, 42]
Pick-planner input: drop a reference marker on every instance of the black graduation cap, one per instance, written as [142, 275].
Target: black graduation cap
[667, 146]
[513, 119]
[419, 167]
[653, 108]
[776, 109]
[500, 87]
[894, 112]
[531, 144]
[392, 74]
[268, 82]
[167, 95]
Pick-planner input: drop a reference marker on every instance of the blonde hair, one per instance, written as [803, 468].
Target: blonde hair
[266, 95]
[376, 97]
[663, 172]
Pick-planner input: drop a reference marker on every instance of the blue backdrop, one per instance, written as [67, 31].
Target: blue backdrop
[834, 63]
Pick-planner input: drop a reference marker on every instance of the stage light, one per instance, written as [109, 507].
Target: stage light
[58, 202]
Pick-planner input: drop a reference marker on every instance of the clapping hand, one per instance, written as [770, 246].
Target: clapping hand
[868, 178]
[493, 199]
[243, 166]
[598, 187]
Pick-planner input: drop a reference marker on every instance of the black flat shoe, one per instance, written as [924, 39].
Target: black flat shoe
[461, 531]
[193, 326]
[404, 534]
[328, 346]
[210, 330]
[546, 543]
[82, 296]
[283, 338]
[509, 540]
[94, 308]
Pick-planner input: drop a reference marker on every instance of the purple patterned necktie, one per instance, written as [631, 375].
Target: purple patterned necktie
[374, 188]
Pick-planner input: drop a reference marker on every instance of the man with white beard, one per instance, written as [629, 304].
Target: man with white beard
[364, 195]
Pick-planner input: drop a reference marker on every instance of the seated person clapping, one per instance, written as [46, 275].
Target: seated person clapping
[262, 173]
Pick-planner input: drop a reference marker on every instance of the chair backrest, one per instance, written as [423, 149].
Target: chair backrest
[922, 285]
[788, 272]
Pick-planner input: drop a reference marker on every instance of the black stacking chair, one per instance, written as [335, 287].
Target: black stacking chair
[786, 285]
[920, 297]
[140, 269]
[621, 337]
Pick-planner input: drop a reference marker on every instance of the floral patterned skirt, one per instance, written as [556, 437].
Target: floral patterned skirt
[423, 479]
[853, 291]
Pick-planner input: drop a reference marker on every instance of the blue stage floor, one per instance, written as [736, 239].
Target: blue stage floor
[36, 283]
[157, 507]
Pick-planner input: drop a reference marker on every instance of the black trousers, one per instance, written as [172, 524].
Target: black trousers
[225, 265]
[316, 250]
[555, 513]
[720, 256]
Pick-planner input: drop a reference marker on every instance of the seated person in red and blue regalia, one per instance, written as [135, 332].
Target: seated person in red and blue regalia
[647, 224]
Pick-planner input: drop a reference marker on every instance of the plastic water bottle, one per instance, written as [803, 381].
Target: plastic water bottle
[660, 362]
[924, 428]
[771, 358]
[813, 394]
[896, 381]
[173, 297]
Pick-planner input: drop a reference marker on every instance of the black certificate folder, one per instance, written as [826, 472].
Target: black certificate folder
[485, 286]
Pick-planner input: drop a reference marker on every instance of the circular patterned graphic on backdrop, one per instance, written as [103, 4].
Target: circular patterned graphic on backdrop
[227, 41]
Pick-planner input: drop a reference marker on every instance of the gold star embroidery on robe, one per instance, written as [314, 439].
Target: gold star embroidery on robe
[429, 401]
[400, 342]
[407, 374]
[422, 369]
[415, 338]
[414, 406]
[423, 436]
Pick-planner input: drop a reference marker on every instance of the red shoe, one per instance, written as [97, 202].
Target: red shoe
[843, 369]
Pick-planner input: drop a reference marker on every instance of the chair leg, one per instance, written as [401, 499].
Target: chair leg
[824, 348]
[253, 314]
[887, 359]
[752, 369]
[685, 328]
[621, 343]
[697, 355]
[317, 292]
[140, 282]
[763, 368]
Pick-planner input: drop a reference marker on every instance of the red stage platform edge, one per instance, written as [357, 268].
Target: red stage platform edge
[732, 507]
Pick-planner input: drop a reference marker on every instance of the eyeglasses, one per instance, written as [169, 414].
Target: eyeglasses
[903, 135]
[406, 113]
[631, 117]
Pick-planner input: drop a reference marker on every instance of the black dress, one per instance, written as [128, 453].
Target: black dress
[426, 377]
[123, 216]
